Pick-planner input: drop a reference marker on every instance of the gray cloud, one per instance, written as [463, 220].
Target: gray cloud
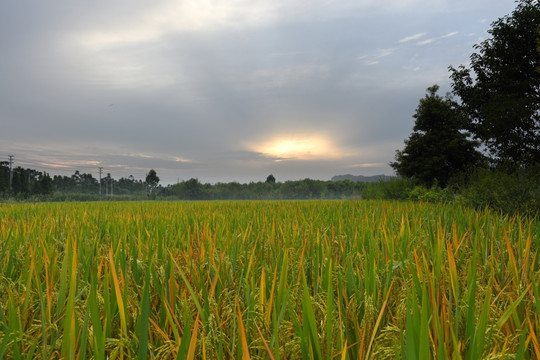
[130, 87]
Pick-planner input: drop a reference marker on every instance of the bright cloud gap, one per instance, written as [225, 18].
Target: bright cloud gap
[298, 148]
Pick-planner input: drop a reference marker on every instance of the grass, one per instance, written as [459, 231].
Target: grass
[267, 280]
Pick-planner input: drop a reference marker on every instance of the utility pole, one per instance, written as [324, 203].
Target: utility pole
[100, 171]
[10, 170]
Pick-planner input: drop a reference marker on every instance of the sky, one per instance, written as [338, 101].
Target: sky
[225, 90]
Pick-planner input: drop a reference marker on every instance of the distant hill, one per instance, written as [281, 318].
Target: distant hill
[361, 178]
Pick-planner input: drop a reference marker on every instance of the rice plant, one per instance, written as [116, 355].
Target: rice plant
[267, 280]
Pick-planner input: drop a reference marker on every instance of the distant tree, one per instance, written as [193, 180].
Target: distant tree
[302, 189]
[45, 182]
[76, 178]
[338, 189]
[438, 148]
[270, 179]
[126, 185]
[152, 181]
[107, 180]
[88, 183]
[40, 183]
[4, 177]
[500, 92]
[20, 184]
[193, 189]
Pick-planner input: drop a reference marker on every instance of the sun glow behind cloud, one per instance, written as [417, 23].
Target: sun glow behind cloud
[313, 147]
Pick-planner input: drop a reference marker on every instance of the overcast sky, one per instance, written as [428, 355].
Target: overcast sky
[225, 90]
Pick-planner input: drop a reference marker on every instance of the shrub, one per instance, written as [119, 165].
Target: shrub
[433, 194]
[516, 192]
[398, 189]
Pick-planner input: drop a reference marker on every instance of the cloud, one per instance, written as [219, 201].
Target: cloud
[299, 147]
[384, 52]
[194, 82]
[368, 165]
[413, 37]
[291, 75]
[70, 164]
[169, 17]
[379, 54]
[160, 156]
[450, 34]
[425, 42]
[164, 18]
[432, 40]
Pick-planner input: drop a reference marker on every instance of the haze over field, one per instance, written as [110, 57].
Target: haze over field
[225, 90]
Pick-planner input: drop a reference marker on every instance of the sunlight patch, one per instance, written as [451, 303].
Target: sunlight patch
[298, 148]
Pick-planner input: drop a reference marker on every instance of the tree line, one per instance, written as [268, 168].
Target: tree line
[23, 183]
[193, 189]
[483, 138]
[32, 184]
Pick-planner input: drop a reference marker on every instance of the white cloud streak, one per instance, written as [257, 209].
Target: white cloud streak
[379, 54]
[453, 33]
[425, 42]
[412, 37]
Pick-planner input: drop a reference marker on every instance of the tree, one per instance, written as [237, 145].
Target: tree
[270, 179]
[152, 181]
[438, 148]
[193, 189]
[500, 93]
[45, 183]
[4, 177]
[20, 184]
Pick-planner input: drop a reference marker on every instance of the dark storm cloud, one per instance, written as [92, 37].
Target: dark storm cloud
[208, 90]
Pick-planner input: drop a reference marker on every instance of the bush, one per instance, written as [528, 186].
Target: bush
[398, 189]
[516, 192]
[434, 194]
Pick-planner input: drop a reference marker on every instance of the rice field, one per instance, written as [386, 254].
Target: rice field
[267, 280]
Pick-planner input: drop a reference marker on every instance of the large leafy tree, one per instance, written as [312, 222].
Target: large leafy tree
[500, 92]
[438, 148]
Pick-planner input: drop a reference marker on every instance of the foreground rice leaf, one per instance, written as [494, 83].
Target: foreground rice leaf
[144, 320]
